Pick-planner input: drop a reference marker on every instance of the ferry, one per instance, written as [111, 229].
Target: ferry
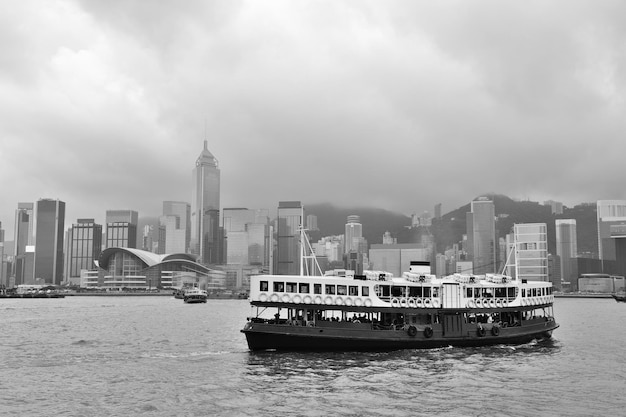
[195, 295]
[376, 311]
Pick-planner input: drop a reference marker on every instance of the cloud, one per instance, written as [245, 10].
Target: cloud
[398, 105]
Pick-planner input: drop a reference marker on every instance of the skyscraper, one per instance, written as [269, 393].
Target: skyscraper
[84, 247]
[247, 239]
[49, 230]
[353, 233]
[531, 251]
[24, 231]
[609, 213]
[481, 235]
[205, 209]
[176, 219]
[121, 228]
[566, 249]
[289, 222]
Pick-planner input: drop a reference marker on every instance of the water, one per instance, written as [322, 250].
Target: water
[121, 356]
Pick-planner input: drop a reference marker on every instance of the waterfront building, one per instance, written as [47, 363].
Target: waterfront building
[83, 248]
[600, 283]
[121, 228]
[531, 251]
[609, 213]
[481, 235]
[205, 209]
[247, 238]
[396, 258]
[176, 220]
[24, 232]
[49, 235]
[131, 268]
[288, 224]
[566, 250]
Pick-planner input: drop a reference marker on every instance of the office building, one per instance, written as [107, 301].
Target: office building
[353, 234]
[481, 236]
[247, 236]
[176, 220]
[609, 213]
[23, 238]
[288, 225]
[205, 209]
[49, 235]
[121, 228]
[531, 251]
[566, 250]
[396, 258]
[83, 248]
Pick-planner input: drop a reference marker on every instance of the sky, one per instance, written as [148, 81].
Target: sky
[397, 105]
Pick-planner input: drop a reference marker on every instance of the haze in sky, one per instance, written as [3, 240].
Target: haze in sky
[397, 104]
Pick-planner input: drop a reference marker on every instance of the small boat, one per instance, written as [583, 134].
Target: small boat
[195, 295]
[620, 297]
[379, 312]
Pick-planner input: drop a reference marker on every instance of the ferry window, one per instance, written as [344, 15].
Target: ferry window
[353, 290]
[435, 291]
[264, 286]
[415, 291]
[426, 291]
[304, 288]
[317, 288]
[398, 291]
[292, 287]
[330, 289]
[469, 293]
[511, 292]
[476, 292]
[342, 290]
[279, 286]
[365, 291]
[523, 292]
[385, 290]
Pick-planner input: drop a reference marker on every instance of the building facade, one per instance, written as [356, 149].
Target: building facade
[397, 258]
[23, 238]
[176, 220]
[609, 213]
[531, 251]
[205, 209]
[83, 248]
[566, 250]
[481, 236]
[49, 236]
[121, 228]
[288, 225]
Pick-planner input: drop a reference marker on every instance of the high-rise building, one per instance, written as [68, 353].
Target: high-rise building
[556, 207]
[289, 222]
[176, 219]
[84, 247]
[205, 209]
[481, 236]
[24, 232]
[49, 235]
[531, 251]
[121, 228]
[247, 236]
[567, 250]
[3, 272]
[609, 213]
[353, 233]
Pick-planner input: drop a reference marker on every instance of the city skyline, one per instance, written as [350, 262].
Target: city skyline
[104, 104]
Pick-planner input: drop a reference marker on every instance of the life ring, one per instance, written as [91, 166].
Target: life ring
[492, 303]
[297, 299]
[339, 301]
[412, 331]
[419, 303]
[404, 303]
[262, 297]
[411, 302]
[479, 303]
[480, 331]
[436, 303]
[524, 302]
[328, 300]
[395, 302]
[348, 301]
[286, 298]
[367, 302]
[274, 297]
[495, 330]
[427, 303]
[499, 303]
[358, 302]
[318, 299]
[428, 332]
[307, 299]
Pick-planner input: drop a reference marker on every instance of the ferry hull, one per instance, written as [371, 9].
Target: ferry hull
[293, 338]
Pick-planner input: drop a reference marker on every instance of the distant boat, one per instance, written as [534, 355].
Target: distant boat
[620, 297]
[195, 295]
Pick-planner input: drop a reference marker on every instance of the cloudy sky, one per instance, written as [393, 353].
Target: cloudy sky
[396, 104]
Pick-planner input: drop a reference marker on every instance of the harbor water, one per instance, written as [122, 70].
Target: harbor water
[121, 356]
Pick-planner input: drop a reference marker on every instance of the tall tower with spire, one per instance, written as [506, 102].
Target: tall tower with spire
[205, 209]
